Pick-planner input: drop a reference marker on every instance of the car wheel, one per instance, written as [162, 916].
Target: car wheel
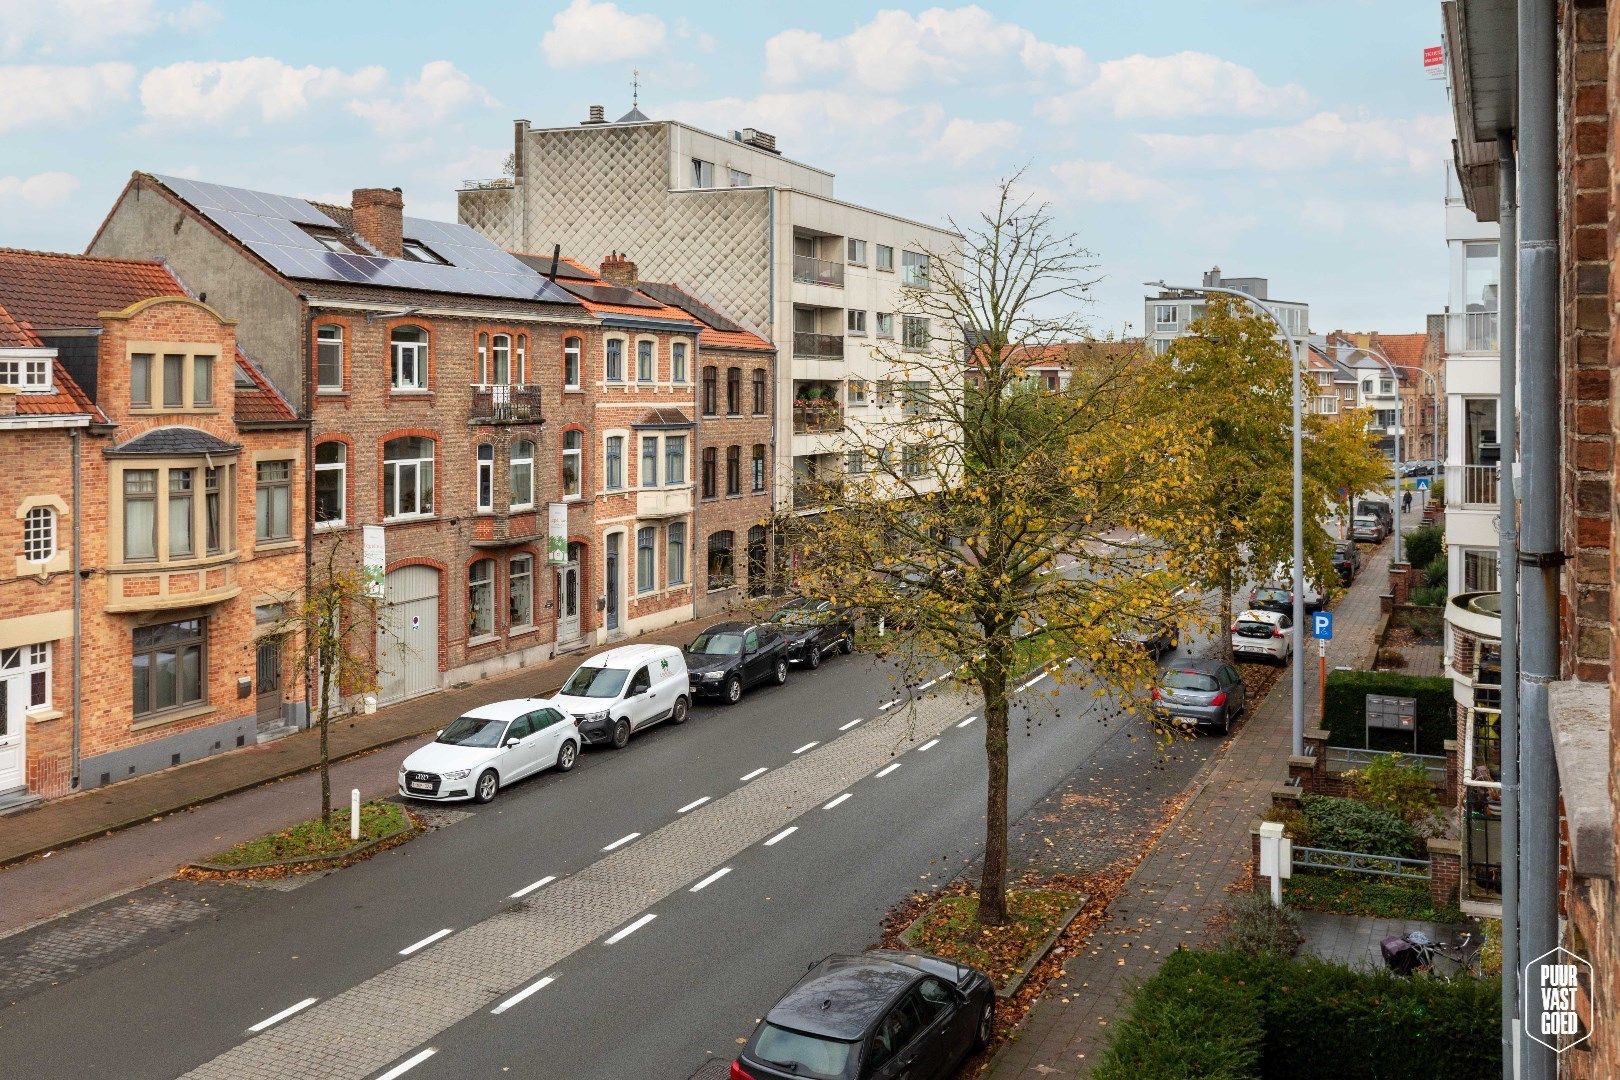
[568, 756]
[781, 670]
[812, 658]
[621, 734]
[733, 690]
[846, 644]
[488, 784]
[987, 1025]
[679, 713]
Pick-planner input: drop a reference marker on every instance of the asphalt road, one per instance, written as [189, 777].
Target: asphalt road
[678, 990]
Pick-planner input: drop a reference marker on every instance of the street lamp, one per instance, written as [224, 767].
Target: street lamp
[1298, 684]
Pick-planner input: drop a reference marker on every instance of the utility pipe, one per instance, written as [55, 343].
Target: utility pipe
[77, 441]
[1508, 583]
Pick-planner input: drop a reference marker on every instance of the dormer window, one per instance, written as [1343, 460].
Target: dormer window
[332, 242]
[31, 376]
[417, 251]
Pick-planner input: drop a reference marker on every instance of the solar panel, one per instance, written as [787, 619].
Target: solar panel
[609, 294]
[268, 225]
[676, 297]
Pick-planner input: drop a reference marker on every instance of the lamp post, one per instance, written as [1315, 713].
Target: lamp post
[1400, 407]
[1294, 360]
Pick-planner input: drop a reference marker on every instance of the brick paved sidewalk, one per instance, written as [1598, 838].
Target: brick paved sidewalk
[66, 821]
[1181, 883]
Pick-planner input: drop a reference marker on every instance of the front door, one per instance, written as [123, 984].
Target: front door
[13, 731]
[408, 637]
[612, 569]
[568, 599]
[267, 682]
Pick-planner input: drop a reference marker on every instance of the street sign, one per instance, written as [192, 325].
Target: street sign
[1322, 625]
[1423, 483]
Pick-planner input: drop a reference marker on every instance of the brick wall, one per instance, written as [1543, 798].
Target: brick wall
[736, 514]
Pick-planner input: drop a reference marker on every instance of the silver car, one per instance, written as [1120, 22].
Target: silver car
[1200, 693]
[1368, 530]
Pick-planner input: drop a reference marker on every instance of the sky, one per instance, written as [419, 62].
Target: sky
[1297, 140]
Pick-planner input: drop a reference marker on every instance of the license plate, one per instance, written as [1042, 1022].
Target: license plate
[420, 785]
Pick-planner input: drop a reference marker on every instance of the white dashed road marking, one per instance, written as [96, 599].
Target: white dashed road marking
[852, 723]
[927, 685]
[632, 928]
[693, 805]
[407, 1065]
[887, 769]
[968, 721]
[711, 879]
[783, 835]
[929, 745]
[425, 942]
[806, 746]
[283, 1014]
[752, 775]
[621, 841]
[886, 706]
[517, 998]
[836, 801]
[527, 889]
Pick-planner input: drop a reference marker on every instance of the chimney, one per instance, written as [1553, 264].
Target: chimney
[1212, 278]
[379, 219]
[598, 116]
[618, 270]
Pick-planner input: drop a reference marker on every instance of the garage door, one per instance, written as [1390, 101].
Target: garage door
[408, 653]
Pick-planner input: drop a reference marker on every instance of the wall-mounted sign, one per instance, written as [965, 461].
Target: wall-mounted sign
[557, 535]
[373, 559]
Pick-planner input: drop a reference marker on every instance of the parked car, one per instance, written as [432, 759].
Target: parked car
[1277, 593]
[812, 629]
[1346, 561]
[1152, 636]
[489, 748]
[625, 690]
[1200, 693]
[1368, 530]
[1263, 633]
[1419, 468]
[882, 1015]
[1377, 508]
[729, 657]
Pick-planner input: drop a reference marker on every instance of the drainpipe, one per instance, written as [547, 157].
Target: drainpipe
[78, 605]
[1508, 582]
[696, 465]
[309, 506]
[1539, 542]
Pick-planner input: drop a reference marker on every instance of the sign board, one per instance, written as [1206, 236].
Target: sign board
[557, 535]
[1434, 61]
[1322, 625]
[373, 559]
[1553, 988]
[1423, 483]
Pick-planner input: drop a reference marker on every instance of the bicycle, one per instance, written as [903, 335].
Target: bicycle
[1415, 953]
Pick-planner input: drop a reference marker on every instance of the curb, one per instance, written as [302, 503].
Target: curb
[225, 870]
[1022, 975]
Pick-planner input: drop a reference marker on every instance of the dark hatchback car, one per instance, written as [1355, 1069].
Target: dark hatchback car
[1151, 636]
[813, 628]
[1200, 693]
[879, 1016]
[729, 657]
[1346, 561]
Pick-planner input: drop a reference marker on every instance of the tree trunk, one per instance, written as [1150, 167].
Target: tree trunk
[326, 759]
[1223, 632]
[993, 878]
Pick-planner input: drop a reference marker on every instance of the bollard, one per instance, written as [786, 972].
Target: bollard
[354, 814]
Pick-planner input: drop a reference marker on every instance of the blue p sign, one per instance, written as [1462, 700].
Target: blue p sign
[1322, 625]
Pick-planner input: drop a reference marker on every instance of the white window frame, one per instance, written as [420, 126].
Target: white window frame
[475, 584]
[855, 322]
[1160, 320]
[417, 352]
[573, 357]
[323, 339]
[885, 325]
[702, 174]
[1481, 555]
[884, 259]
[39, 534]
[521, 457]
[855, 251]
[578, 454]
[910, 322]
[29, 374]
[394, 471]
[738, 178]
[915, 270]
[341, 467]
[484, 481]
[30, 660]
[519, 582]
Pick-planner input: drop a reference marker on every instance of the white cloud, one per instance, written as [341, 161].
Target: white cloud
[441, 90]
[1104, 181]
[897, 49]
[1183, 84]
[37, 95]
[258, 87]
[963, 141]
[41, 189]
[1326, 140]
[73, 27]
[600, 33]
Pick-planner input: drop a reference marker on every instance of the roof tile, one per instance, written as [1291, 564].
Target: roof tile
[51, 290]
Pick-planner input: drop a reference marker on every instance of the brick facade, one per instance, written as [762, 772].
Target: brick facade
[745, 515]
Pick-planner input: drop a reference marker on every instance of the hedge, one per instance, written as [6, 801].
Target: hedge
[1348, 825]
[1317, 1021]
[1345, 713]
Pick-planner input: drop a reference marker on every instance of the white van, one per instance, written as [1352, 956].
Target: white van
[624, 690]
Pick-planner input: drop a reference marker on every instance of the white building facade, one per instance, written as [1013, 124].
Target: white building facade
[1167, 315]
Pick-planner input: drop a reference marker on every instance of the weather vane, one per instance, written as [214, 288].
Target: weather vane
[635, 88]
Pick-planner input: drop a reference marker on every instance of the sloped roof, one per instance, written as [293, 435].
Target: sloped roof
[719, 331]
[16, 335]
[1403, 348]
[55, 291]
[262, 404]
[173, 441]
[663, 418]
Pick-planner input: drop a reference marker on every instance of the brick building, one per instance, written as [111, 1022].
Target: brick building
[177, 500]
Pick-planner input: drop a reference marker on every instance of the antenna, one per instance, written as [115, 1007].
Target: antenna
[635, 88]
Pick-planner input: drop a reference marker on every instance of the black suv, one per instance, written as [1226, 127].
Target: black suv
[729, 657]
[813, 628]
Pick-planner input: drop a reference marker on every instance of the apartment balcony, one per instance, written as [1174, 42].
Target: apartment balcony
[814, 271]
[506, 404]
[818, 346]
[664, 502]
[504, 528]
[817, 417]
[816, 494]
[1472, 485]
[155, 588]
[1472, 332]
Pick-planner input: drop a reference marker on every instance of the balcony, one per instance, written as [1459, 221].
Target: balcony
[815, 494]
[817, 417]
[814, 271]
[1472, 485]
[664, 502]
[138, 588]
[818, 346]
[504, 528]
[506, 404]
[1472, 332]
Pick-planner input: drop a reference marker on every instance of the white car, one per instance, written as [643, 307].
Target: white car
[626, 689]
[1262, 633]
[489, 748]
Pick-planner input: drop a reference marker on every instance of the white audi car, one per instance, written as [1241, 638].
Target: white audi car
[489, 748]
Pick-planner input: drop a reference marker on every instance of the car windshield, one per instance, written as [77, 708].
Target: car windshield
[473, 731]
[595, 682]
[798, 613]
[718, 645]
[801, 1054]
[1254, 629]
[1271, 594]
[1188, 680]
[1365, 522]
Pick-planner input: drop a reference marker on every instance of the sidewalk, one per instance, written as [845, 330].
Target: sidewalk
[61, 822]
[1181, 883]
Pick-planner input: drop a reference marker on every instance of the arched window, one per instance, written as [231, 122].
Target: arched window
[407, 477]
[331, 483]
[722, 569]
[710, 390]
[481, 598]
[329, 357]
[39, 535]
[486, 477]
[520, 475]
[573, 446]
[571, 351]
[614, 361]
[759, 392]
[500, 360]
[408, 346]
[733, 391]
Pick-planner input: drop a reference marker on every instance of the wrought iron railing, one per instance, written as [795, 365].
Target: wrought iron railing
[1328, 860]
[506, 404]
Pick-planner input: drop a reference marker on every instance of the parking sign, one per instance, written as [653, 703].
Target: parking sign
[1322, 625]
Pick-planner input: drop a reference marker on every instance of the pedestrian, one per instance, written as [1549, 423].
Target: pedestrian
[1406, 503]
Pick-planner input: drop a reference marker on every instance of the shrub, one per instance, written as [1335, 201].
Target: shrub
[1436, 573]
[1255, 926]
[1402, 789]
[1296, 826]
[1425, 544]
[1490, 950]
[1359, 894]
[1190, 1027]
[1345, 711]
[1429, 596]
[1348, 825]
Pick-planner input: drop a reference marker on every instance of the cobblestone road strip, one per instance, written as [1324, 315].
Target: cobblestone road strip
[57, 953]
[353, 1035]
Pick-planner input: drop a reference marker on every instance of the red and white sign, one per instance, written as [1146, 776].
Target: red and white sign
[1434, 56]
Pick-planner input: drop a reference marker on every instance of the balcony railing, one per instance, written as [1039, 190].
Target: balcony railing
[1472, 332]
[506, 404]
[814, 271]
[1471, 485]
[814, 419]
[818, 346]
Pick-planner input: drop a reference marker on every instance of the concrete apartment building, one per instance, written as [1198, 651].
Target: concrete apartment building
[1167, 315]
[752, 232]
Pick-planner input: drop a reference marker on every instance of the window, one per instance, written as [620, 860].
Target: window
[520, 592]
[1164, 315]
[614, 362]
[915, 394]
[757, 465]
[857, 251]
[644, 362]
[677, 362]
[675, 551]
[733, 391]
[168, 666]
[1384, 418]
[708, 472]
[722, 572]
[733, 470]
[273, 505]
[885, 393]
[1480, 571]
[914, 269]
[39, 534]
[331, 483]
[916, 333]
[613, 471]
[182, 512]
[486, 477]
[885, 258]
[759, 392]
[571, 351]
[140, 380]
[217, 525]
[140, 514]
[739, 178]
[702, 173]
[407, 477]
[857, 391]
[329, 357]
[416, 251]
[649, 461]
[573, 451]
[520, 476]
[854, 462]
[202, 381]
[28, 375]
[174, 381]
[35, 660]
[481, 598]
[710, 390]
[646, 568]
[857, 321]
[1385, 387]
[408, 346]
[333, 243]
[885, 324]
[499, 371]
[911, 460]
[674, 460]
